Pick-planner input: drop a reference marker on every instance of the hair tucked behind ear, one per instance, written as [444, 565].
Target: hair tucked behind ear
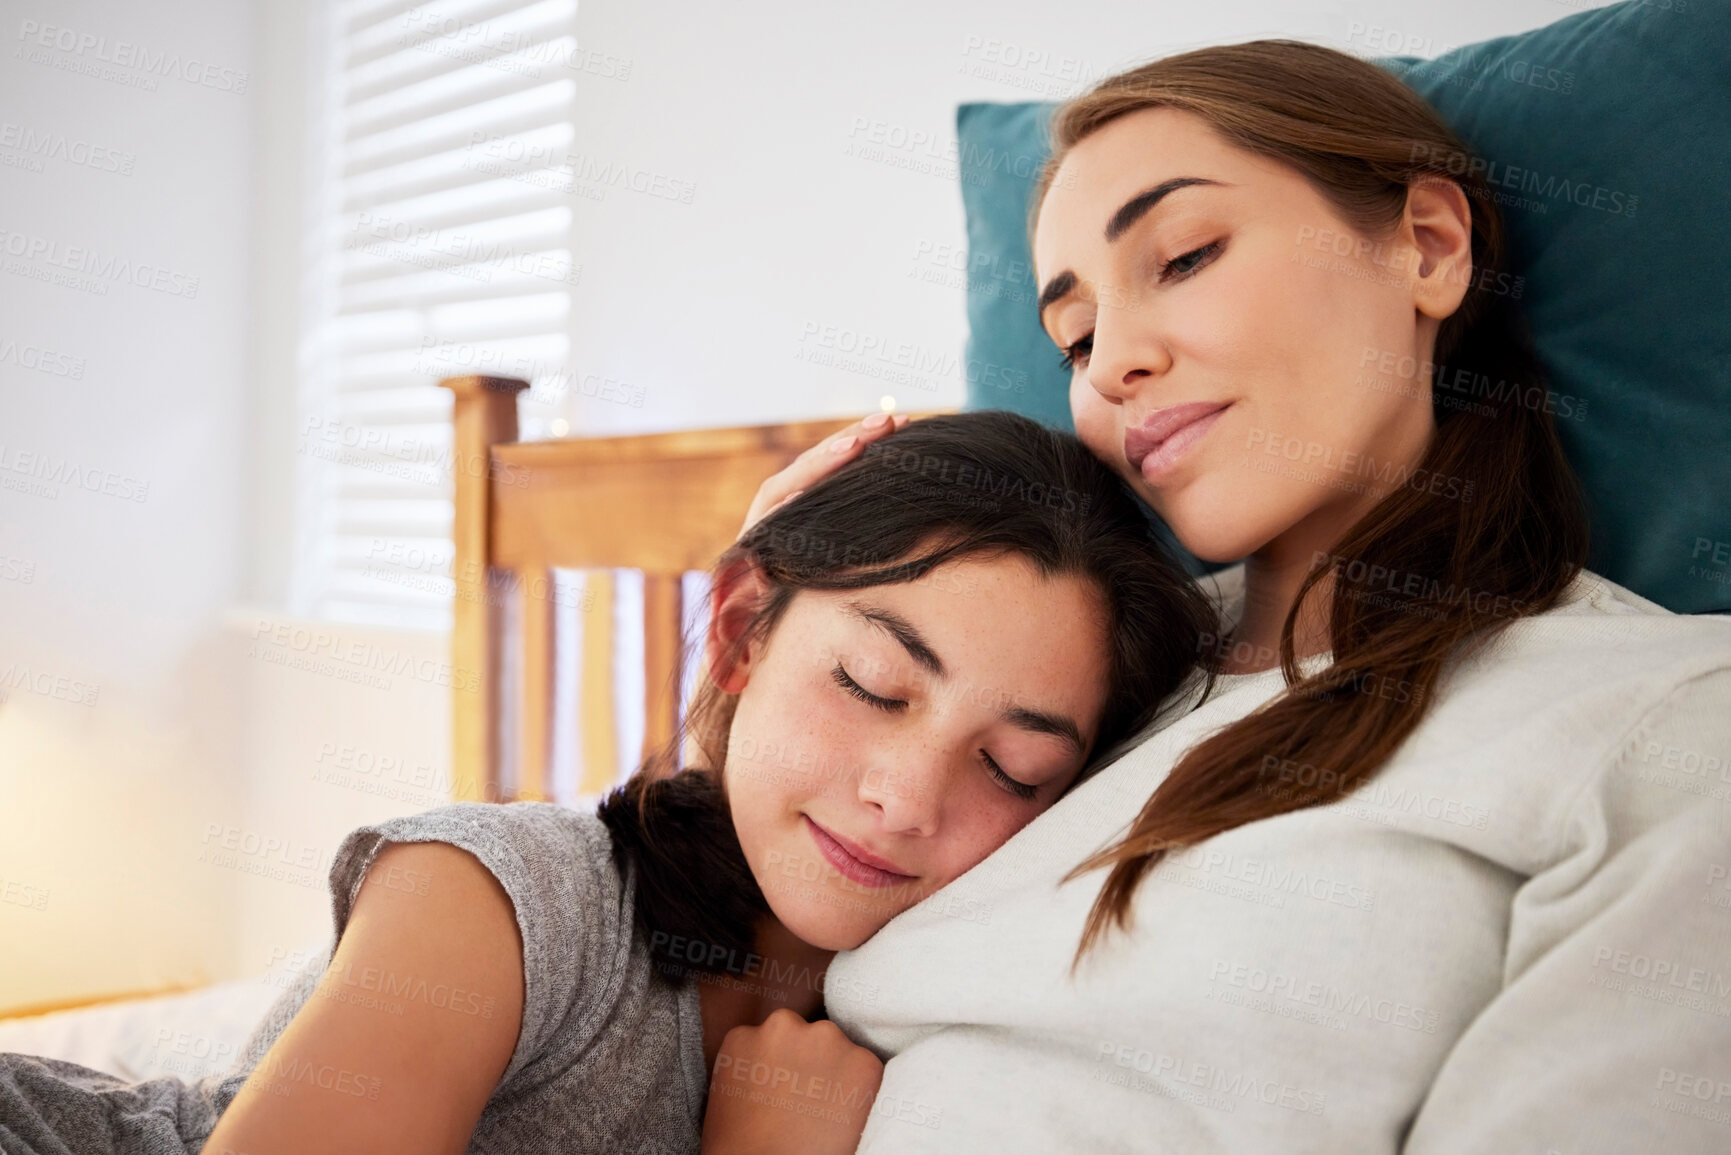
[1506, 543]
[943, 489]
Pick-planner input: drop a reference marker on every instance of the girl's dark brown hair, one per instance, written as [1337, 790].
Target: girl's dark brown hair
[1507, 543]
[966, 485]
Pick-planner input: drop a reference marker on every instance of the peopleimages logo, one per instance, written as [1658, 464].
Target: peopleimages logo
[40, 145]
[87, 46]
[52, 472]
[1502, 175]
[81, 260]
[41, 359]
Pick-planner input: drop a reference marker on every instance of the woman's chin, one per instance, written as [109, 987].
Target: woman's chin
[1213, 548]
[1218, 539]
[1214, 524]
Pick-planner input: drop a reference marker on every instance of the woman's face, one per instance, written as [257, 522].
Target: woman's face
[1229, 335]
[887, 739]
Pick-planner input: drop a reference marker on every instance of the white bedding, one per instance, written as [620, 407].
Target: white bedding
[191, 1035]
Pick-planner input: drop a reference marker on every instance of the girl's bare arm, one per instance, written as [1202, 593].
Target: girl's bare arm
[410, 1028]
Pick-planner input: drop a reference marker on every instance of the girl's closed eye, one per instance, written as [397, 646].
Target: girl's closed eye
[1023, 790]
[889, 705]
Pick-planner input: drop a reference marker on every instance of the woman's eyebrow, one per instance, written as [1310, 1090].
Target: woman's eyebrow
[1138, 206]
[1056, 288]
[902, 631]
[1128, 214]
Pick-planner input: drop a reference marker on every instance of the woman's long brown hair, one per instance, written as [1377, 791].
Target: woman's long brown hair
[1424, 578]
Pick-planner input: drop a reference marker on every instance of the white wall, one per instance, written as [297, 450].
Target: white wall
[708, 306]
[135, 548]
[176, 606]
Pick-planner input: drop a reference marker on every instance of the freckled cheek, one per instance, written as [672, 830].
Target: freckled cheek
[978, 825]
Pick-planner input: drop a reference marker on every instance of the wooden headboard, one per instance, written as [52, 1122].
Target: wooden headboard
[664, 503]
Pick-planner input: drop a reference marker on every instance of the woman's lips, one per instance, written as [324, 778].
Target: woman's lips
[1154, 447]
[854, 861]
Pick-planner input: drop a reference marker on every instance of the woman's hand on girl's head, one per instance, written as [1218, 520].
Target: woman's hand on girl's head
[819, 462]
[789, 1087]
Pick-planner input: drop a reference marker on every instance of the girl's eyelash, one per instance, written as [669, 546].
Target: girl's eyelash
[1021, 790]
[1177, 268]
[889, 705]
[840, 677]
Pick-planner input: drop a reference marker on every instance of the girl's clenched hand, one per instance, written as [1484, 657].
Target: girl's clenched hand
[789, 1087]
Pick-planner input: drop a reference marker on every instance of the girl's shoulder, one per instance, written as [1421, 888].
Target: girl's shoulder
[532, 846]
[573, 909]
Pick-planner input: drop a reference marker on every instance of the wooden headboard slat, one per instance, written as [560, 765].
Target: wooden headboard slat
[483, 414]
[663, 613]
[535, 713]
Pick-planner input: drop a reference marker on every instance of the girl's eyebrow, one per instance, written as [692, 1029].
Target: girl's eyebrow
[902, 631]
[1040, 722]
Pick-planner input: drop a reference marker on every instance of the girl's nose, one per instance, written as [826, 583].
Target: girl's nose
[906, 792]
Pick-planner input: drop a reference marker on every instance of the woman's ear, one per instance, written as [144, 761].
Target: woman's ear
[735, 600]
[1439, 226]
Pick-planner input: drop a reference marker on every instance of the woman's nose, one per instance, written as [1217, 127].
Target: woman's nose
[907, 792]
[1127, 354]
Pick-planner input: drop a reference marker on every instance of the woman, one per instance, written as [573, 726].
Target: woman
[1427, 871]
[908, 665]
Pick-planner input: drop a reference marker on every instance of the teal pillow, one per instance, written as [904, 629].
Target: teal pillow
[1606, 136]
[1003, 327]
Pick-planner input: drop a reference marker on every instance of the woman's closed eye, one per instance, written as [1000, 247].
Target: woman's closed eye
[1182, 266]
[1077, 352]
[888, 705]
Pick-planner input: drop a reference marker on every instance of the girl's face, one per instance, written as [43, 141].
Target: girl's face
[1232, 335]
[888, 739]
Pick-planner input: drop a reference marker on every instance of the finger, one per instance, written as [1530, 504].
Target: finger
[819, 462]
[834, 451]
[861, 432]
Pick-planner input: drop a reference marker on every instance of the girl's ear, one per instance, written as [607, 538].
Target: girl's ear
[735, 599]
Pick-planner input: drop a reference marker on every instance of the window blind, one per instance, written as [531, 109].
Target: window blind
[442, 247]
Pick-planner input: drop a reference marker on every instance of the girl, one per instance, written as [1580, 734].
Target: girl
[907, 664]
[1426, 873]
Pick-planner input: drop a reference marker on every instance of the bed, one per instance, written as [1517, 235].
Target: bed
[642, 516]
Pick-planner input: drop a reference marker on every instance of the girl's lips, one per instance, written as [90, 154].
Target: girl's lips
[1154, 447]
[853, 861]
